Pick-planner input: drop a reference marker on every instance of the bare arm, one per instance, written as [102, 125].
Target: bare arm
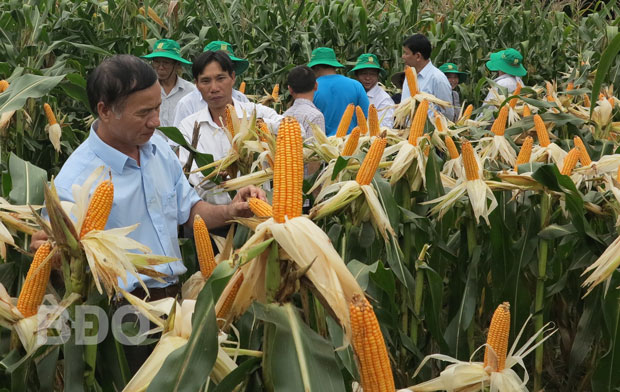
[218, 215]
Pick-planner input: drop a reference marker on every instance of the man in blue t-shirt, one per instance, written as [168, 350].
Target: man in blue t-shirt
[335, 92]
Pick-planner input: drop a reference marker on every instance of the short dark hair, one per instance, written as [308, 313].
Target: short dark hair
[301, 79]
[419, 43]
[322, 66]
[116, 78]
[206, 58]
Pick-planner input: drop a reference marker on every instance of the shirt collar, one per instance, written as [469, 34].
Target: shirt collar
[303, 101]
[205, 115]
[373, 91]
[113, 158]
[427, 68]
[179, 85]
[504, 76]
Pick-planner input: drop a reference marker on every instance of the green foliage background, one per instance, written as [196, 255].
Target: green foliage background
[71, 37]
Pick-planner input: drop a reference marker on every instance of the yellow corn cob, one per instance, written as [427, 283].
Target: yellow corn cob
[469, 161]
[584, 157]
[374, 362]
[526, 111]
[570, 86]
[497, 339]
[242, 88]
[525, 152]
[361, 120]
[275, 93]
[417, 124]
[611, 101]
[153, 15]
[541, 131]
[467, 113]
[232, 294]
[3, 85]
[204, 249]
[371, 161]
[618, 175]
[352, 140]
[288, 171]
[601, 96]
[438, 123]
[260, 208]
[263, 129]
[550, 92]
[454, 153]
[49, 113]
[38, 275]
[499, 125]
[570, 161]
[99, 208]
[230, 109]
[345, 121]
[373, 120]
[513, 102]
[412, 82]
[586, 100]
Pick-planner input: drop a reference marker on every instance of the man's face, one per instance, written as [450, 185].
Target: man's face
[164, 67]
[410, 58]
[133, 122]
[215, 85]
[453, 79]
[368, 77]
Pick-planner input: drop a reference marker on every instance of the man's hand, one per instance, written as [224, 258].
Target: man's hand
[239, 205]
[38, 239]
[219, 215]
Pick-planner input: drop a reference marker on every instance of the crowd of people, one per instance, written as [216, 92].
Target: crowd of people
[132, 99]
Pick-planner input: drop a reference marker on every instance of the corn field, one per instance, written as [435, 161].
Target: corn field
[421, 241]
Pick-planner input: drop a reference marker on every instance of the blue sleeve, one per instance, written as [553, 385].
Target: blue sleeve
[363, 101]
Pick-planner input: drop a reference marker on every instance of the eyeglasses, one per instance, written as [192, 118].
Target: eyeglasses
[159, 62]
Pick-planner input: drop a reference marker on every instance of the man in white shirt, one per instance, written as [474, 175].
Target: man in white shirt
[416, 54]
[193, 101]
[167, 61]
[367, 70]
[214, 74]
[508, 64]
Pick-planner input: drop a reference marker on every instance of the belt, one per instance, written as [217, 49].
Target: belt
[157, 293]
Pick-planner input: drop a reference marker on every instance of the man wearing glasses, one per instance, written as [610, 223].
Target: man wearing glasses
[166, 61]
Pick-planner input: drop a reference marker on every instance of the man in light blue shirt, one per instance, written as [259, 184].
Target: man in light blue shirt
[149, 185]
[416, 54]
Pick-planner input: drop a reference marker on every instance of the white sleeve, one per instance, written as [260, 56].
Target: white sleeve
[239, 96]
[405, 93]
[183, 110]
[270, 116]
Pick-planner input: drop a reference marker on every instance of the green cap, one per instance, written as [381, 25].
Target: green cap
[240, 65]
[167, 48]
[452, 68]
[324, 56]
[367, 60]
[509, 61]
